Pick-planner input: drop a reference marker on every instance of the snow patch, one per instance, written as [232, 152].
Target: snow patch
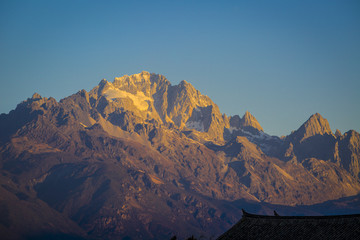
[198, 126]
[261, 139]
[232, 129]
[139, 99]
[197, 109]
[260, 136]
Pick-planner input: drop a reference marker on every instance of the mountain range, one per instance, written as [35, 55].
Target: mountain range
[139, 158]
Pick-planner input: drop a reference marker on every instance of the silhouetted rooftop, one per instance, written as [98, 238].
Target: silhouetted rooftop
[252, 226]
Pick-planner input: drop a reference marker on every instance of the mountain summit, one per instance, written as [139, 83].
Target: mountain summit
[249, 120]
[315, 125]
[151, 97]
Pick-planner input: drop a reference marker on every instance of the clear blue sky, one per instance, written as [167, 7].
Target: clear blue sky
[281, 60]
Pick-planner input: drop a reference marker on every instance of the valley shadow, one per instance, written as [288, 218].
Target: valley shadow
[54, 236]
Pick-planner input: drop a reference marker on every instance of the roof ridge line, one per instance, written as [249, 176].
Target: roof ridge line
[250, 215]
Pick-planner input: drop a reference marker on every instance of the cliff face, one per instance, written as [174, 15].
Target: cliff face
[140, 157]
[249, 120]
[315, 125]
[348, 152]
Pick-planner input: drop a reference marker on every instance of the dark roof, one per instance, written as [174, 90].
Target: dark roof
[252, 226]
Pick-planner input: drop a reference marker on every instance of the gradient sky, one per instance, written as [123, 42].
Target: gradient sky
[280, 60]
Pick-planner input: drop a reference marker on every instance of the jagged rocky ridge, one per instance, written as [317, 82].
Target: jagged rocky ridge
[142, 158]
